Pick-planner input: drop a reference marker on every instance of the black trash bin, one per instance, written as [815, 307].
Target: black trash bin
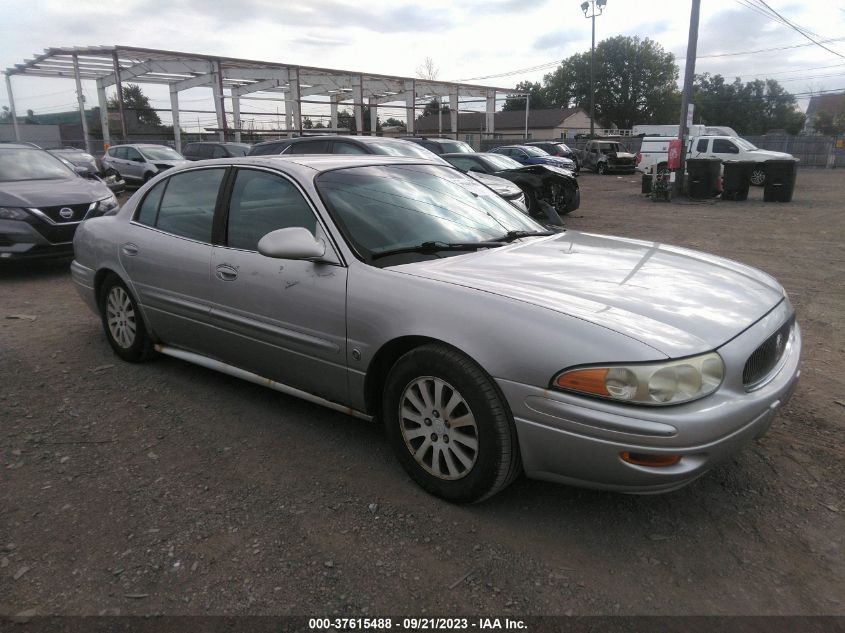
[705, 178]
[780, 179]
[646, 188]
[736, 179]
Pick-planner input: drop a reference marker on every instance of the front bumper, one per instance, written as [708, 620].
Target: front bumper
[21, 241]
[576, 440]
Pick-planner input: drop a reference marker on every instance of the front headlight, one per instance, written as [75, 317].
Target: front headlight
[13, 213]
[107, 206]
[656, 384]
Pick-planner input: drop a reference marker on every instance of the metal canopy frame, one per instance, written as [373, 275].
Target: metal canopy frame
[240, 78]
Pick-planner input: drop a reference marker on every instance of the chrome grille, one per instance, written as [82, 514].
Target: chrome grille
[766, 357]
[75, 213]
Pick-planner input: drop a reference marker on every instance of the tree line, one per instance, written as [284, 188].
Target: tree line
[636, 83]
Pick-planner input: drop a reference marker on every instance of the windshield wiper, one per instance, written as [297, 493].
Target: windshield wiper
[433, 247]
[515, 235]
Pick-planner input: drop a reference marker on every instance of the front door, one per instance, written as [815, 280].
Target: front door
[279, 318]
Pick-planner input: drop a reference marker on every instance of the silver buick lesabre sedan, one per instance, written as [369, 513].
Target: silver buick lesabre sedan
[402, 290]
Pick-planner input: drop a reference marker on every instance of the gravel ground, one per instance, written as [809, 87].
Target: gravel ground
[165, 488]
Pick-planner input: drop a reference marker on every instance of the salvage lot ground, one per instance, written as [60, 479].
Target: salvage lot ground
[167, 488]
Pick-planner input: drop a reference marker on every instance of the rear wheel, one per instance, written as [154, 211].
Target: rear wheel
[448, 425]
[758, 176]
[122, 321]
[601, 169]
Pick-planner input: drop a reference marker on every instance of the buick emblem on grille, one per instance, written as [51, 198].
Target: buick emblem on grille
[66, 213]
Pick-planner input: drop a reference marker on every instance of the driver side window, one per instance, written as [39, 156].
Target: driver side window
[724, 146]
[133, 154]
[262, 202]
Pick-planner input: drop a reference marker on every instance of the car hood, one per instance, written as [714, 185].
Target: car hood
[556, 161]
[539, 170]
[47, 193]
[765, 154]
[499, 185]
[678, 301]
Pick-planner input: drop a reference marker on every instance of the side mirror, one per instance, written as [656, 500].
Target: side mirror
[81, 171]
[292, 243]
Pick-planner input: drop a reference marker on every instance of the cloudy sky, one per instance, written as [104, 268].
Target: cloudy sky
[465, 38]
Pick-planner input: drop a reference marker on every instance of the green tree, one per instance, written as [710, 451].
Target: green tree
[134, 100]
[431, 109]
[539, 97]
[635, 82]
[825, 123]
[394, 122]
[751, 108]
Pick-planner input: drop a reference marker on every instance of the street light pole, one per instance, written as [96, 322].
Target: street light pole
[593, 4]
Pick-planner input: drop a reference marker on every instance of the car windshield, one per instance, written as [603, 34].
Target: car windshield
[238, 150]
[31, 164]
[454, 147]
[405, 148]
[382, 208]
[160, 153]
[534, 151]
[747, 146]
[498, 162]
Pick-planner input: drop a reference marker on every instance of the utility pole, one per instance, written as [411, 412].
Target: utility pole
[686, 100]
[527, 106]
[595, 4]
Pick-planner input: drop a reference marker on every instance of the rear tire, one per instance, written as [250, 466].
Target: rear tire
[758, 176]
[123, 323]
[448, 425]
[601, 169]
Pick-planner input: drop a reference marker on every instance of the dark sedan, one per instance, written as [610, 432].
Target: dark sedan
[42, 201]
[541, 183]
[556, 148]
[528, 155]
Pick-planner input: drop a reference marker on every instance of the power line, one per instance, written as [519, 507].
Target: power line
[767, 50]
[798, 29]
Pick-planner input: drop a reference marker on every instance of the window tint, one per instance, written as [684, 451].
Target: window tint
[344, 147]
[190, 149]
[702, 145]
[309, 147]
[266, 150]
[132, 153]
[465, 164]
[219, 152]
[204, 151]
[120, 152]
[262, 203]
[724, 146]
[187, 207]
[149, 207]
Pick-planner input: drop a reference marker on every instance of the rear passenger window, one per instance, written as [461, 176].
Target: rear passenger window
[262, 203]
[219, 152]
[149, 207]
[344, 147]
[309, 147]
[187, 205]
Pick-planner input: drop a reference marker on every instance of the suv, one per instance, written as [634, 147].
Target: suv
[203, 150]
[140, 161]
[42, 201]
[556, 148]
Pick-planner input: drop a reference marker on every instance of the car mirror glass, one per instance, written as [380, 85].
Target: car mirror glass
[291, 243]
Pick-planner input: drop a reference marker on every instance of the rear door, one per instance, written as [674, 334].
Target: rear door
[167, 253]
[281, 319]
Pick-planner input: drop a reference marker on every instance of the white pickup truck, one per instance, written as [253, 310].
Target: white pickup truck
[655, 151]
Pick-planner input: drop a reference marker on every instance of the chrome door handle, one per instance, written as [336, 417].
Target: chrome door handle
[130, 249]
[226, 273]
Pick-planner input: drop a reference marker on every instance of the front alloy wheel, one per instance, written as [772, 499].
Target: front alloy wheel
[449, 425]
[439, 428]
[758, 176]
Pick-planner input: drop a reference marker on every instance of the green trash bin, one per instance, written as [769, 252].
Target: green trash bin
[780, 179]
[705, 178]
[736, 179]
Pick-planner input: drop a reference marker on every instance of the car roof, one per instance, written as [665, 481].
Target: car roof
[18, 146]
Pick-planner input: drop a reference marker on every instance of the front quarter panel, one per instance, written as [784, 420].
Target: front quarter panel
[510, 339]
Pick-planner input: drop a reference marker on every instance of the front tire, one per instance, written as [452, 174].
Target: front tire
[122, 321]
[448, 425]
[601, 169]
[758, 176]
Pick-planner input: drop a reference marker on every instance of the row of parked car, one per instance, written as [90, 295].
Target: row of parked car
[540, 183]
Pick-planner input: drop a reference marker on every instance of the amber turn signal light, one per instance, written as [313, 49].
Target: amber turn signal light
[586, 380]
[654, 461]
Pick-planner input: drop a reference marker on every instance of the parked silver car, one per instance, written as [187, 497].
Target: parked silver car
[139, 162]
[403, 290]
